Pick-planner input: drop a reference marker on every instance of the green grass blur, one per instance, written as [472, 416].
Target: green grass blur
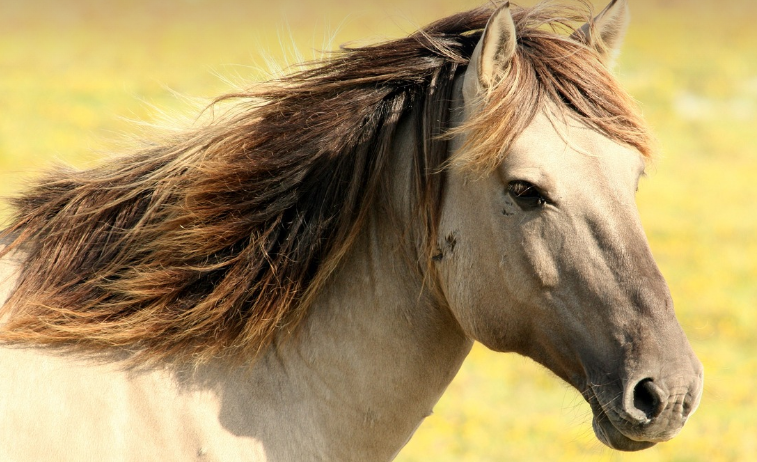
[75, 74]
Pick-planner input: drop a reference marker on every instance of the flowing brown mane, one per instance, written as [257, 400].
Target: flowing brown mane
[217, 240]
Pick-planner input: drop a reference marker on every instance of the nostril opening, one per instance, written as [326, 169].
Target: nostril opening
[646, 398]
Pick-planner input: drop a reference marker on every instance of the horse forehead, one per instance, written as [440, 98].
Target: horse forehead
[567, 146]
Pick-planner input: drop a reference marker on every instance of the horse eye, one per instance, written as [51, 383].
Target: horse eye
[526, 195]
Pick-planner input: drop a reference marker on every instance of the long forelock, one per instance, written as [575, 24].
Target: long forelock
[550, 70]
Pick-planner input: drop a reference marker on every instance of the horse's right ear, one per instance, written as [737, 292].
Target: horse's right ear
[605, 34]
[492, 56]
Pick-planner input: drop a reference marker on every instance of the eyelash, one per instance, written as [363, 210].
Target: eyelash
[526, 194]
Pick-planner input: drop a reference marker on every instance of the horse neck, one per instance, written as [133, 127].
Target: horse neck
[369, 361]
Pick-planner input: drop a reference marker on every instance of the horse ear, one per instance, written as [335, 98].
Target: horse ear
[605, 34]
[496, 48]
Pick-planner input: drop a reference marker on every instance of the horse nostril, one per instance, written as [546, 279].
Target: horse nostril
[647, 397]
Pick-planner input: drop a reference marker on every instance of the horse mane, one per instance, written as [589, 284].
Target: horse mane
[216, 240]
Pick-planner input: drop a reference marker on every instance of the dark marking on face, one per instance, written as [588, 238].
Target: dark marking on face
[446, 247]
[510, 208]
[451, 241]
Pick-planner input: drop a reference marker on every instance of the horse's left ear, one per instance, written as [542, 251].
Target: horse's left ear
[605, 34]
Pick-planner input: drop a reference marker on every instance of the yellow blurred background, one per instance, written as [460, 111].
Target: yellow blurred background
[76, 74]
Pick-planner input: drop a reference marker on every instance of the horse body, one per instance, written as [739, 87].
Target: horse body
[543, 255]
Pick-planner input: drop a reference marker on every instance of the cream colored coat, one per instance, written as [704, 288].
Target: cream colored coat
[374, 354]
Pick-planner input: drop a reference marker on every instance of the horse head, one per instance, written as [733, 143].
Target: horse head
[551, 248]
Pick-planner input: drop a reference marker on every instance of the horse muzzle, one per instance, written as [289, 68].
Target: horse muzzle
[648, 411]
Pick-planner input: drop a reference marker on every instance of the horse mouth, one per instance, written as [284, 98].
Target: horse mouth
[607, 432]
[613, 438]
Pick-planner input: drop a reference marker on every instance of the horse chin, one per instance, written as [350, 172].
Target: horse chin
[612, 437]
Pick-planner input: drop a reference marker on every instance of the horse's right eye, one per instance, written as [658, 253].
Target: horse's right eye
[526, 195]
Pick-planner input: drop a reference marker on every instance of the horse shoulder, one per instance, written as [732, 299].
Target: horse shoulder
[69, 407]
[58, 407]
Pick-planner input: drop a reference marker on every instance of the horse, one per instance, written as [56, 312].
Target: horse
[301, 275]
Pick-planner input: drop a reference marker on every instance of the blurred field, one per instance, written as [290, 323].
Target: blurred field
[72, 73]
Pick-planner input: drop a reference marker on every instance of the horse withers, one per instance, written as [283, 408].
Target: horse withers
[301, 277]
